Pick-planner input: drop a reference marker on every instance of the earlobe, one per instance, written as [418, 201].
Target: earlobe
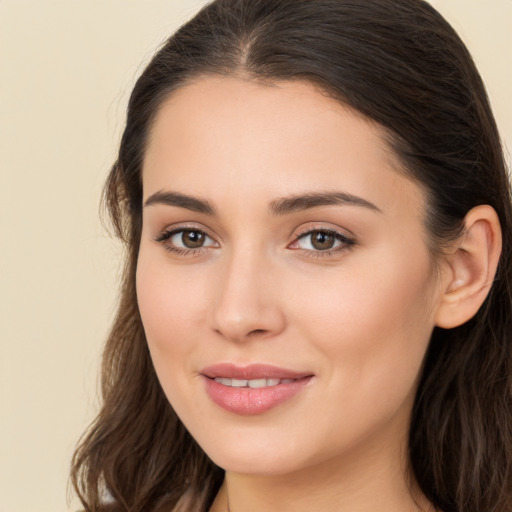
[471, 268]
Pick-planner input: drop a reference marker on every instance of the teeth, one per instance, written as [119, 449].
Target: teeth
[254, 383]
[258, 383]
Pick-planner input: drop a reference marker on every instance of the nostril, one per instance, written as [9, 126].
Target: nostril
[257, 332]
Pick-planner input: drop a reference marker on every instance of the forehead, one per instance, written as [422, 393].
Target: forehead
[222, 136]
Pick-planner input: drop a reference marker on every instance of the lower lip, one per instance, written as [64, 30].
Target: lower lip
[250, 401]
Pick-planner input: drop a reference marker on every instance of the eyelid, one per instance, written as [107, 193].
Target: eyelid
[183, 226]
[328, 228]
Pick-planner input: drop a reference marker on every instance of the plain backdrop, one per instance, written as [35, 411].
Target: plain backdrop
[66, 69]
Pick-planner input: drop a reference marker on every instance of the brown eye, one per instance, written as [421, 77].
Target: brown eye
[322, 241]
[192, 239]
[185, 240]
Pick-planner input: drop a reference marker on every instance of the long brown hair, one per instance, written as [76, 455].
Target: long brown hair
[399, 63]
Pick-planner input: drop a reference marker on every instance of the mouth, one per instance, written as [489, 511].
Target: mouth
[252, 389]
[252, 372]
[253, 383]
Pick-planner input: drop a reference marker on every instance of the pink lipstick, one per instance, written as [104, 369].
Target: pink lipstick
[252, 389]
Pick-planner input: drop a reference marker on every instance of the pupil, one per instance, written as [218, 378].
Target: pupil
[322, 241]
[192, 239]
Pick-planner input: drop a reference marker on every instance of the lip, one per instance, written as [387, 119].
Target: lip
[252, 371]
[251, 401]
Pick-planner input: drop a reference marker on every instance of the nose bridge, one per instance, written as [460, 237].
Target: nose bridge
[246, 305]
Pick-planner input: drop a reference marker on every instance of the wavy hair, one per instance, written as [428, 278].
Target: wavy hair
[399, 63]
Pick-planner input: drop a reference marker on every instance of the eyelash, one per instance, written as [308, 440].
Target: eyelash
[346, 242]
[180, 251]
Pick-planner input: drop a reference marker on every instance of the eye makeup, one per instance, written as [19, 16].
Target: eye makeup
[316, 241]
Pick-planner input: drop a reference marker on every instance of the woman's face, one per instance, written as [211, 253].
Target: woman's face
[284, 281]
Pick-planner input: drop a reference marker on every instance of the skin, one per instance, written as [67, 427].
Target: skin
[358, 318]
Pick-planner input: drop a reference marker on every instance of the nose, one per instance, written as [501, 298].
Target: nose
[247, 303]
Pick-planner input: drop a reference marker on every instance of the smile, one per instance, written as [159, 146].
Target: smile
[253, 383]
[253, 389]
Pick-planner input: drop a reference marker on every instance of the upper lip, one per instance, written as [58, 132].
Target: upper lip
[252, 371]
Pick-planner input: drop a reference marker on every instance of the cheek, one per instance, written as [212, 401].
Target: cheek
[373, 321]
[172, 304]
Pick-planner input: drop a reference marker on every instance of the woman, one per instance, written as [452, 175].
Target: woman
[316, 307]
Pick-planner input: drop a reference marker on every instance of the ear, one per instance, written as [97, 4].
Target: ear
[470, 268]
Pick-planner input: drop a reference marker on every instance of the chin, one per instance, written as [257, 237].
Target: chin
[260, 455]
[250, 455]
[261, 465]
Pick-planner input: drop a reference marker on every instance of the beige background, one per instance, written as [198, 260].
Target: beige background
[66, 67]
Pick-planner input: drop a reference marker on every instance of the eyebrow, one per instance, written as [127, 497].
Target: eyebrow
[181, 201]
[312, 200]
[280, 206]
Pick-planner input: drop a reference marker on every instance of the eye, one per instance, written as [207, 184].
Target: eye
[184, 240]
[190, 239]
[322, 241]
[318, 240]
